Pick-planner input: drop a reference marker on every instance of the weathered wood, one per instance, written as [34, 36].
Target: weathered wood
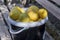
[5, 35]
[57, 1]
[48, 36]
[50, 7]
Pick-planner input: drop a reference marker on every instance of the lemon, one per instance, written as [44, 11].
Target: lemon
[33, 8]
[33, 16]
[43, 13]
[15, 12]
[20, 9]
[22, 17]
[26, 20]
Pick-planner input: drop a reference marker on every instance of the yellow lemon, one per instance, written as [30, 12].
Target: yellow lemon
[33, 16]
[20, 9]
[26, 20]
[43, 13]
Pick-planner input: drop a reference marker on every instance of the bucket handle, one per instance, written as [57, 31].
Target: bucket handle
[16, 32]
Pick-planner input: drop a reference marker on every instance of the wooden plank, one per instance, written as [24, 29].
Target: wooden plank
[48, 36]
[50, 7]
[57, 1]
[5, 35]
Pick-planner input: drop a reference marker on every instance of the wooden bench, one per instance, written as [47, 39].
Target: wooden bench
[57, 1]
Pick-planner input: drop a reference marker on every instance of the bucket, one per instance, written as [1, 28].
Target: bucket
[26, 25]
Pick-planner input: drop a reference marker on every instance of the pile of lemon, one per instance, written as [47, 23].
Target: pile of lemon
[32, 14]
